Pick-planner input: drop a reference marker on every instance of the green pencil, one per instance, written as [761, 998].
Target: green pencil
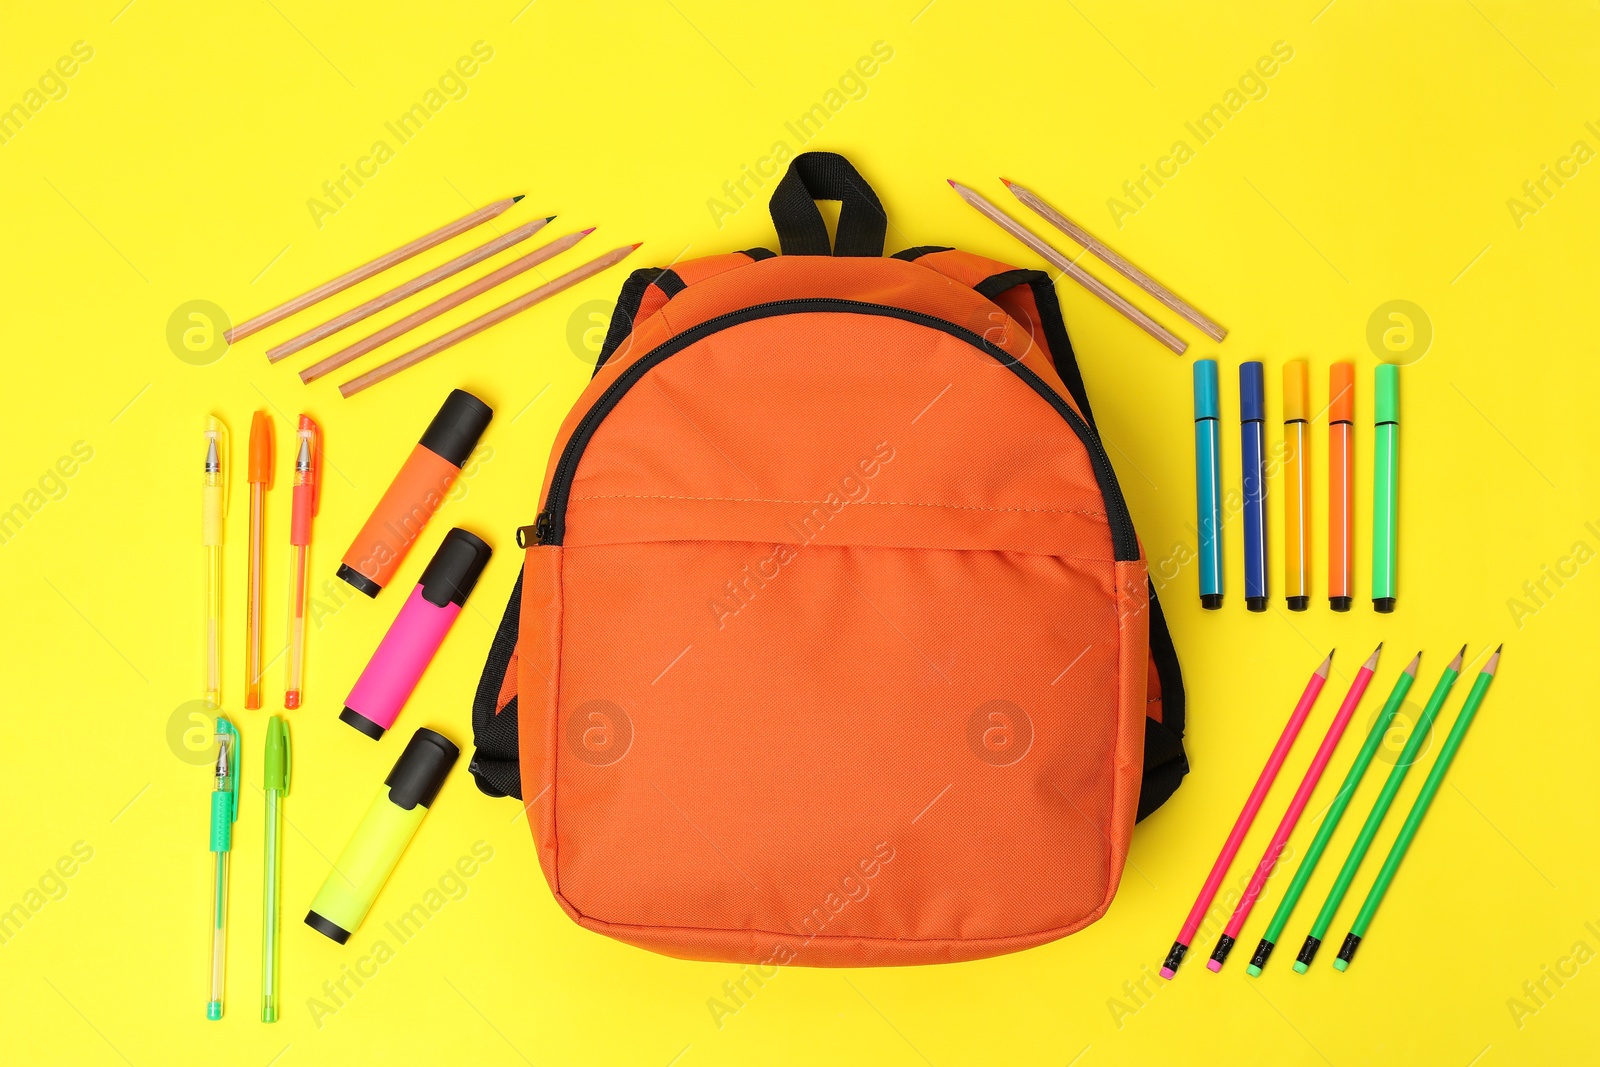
[1408, 831]
[1358, 770]
[1380, 808]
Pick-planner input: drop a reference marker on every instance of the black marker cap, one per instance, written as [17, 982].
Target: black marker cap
[1383, 605]
[1298, 603]
[454, 570]
[421, 770]
[1256, 603]
[454, 432]
[1211, 601]
[1340, 603]
[327, 927]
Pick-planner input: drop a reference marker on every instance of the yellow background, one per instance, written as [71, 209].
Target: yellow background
[1376, 166]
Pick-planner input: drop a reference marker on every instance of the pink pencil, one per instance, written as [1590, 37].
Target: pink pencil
[1241, 825]
[1297, 807]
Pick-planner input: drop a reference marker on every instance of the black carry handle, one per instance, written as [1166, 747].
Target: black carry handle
[814, 176]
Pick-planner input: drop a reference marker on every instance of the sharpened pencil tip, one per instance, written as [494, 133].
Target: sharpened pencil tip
[549, 218]
[1498, 647]
[585, 233]
[519, 196]
[1006, 182]
[952, 182]
[1416, 661]
[632, 247]
[1455, 664]
[1372, 660]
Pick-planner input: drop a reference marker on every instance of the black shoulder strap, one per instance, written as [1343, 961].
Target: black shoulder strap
[495, 759]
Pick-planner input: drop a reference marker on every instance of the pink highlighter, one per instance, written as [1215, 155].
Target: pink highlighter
[416, 633]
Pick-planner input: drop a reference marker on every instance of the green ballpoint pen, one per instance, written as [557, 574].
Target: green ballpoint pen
[275, 784]
[224, 811]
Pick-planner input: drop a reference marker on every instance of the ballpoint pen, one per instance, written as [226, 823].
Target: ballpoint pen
[224, 811]
[306, 497]
[260, 477]
[213, 506]
[275, 774]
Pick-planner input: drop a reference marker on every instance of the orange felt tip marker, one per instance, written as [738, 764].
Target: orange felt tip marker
[1297, 486]
[1341, 491]
[260, 479]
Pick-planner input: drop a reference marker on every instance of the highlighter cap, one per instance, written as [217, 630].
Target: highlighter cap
[421, 770]
[1252, 392]
[454, 432]
[1296, 392]
[1342, 392]
[1205, 389]
[453, 572]
[260, 469]
[1386, 393]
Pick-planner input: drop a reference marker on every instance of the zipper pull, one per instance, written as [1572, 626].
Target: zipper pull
[535, 534]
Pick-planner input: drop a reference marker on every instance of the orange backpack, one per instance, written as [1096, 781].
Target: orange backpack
[833, 643]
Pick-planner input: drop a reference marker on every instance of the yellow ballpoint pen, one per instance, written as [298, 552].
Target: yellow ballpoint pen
[213, 506]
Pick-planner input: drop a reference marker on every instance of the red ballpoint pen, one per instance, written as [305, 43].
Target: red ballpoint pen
[307, 494]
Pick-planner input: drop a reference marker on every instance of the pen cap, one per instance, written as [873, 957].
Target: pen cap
[214, 492]
[1205, 389]
[275, 760]
[260, 469]
[1386, 393]
[454, 432]
[1296, 392]
[1252, 392]
[454, 570]
[1342, 392]
[421, 770]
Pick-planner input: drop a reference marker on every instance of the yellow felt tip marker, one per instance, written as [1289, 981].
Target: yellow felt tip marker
[1296, 484]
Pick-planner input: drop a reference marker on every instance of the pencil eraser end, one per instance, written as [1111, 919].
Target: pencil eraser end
[1213, 966]
[1167, 973]
[1339, 964]
[1205, 389]
[1296, 391]
[1300, 968]
[1253, 971]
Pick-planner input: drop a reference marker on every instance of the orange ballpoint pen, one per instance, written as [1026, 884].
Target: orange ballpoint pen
[260, 478]
[307, 494]
[1341, 417]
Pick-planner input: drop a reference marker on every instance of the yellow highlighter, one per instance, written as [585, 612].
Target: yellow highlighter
[1296, 484]
[213, 506]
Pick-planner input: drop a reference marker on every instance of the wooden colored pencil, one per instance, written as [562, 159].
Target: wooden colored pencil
[1336, 810]
[441, 305]
[1419, 809]
[1421, 730]
[1291, 814]
[367, 270]
[400, 292]
[1104, 252]
[484, 321]
[1241, 825]
[1069, 268]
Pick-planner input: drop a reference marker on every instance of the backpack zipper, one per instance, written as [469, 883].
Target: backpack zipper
[550, 526]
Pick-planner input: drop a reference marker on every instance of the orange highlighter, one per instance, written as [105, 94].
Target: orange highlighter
[1297, 486]
[307, 494]
[1341, 425]
[260, 478]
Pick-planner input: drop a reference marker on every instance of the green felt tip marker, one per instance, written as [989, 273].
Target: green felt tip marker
[1380, 808]
[1330, 822]
[1419, 808]
[1385, 485]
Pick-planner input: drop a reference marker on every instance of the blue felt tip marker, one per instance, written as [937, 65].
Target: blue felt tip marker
[1208, 481]
[1253, 456]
